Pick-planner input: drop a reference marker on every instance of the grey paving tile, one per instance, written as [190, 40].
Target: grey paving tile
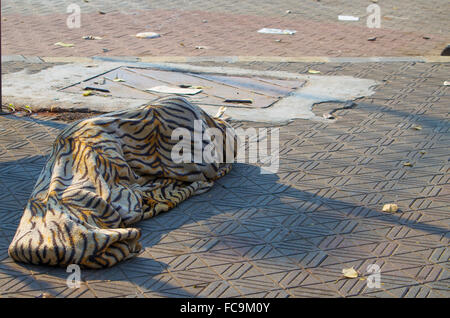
[291, 233]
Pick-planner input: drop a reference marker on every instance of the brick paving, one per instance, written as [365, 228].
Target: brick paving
[224, 28]
[291, 233]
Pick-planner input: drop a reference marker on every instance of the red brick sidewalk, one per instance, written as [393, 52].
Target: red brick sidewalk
[222, 34]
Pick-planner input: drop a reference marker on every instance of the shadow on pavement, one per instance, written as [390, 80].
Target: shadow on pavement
[246, 217]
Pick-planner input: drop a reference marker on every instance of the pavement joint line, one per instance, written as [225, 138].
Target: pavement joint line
[225, 59]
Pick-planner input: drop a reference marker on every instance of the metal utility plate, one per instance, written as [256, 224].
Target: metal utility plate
[263, 92]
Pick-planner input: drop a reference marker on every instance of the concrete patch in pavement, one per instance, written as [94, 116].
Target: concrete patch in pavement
[42, 90]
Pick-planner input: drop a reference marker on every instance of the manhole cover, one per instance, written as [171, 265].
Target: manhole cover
[216, 90]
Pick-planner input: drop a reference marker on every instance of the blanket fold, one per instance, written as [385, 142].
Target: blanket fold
[105, 174]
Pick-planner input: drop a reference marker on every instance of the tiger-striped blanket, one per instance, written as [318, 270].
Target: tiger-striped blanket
[105, 174]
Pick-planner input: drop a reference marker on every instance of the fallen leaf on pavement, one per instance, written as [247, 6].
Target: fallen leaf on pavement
[390, 207]
[349, 272]
[64, 44]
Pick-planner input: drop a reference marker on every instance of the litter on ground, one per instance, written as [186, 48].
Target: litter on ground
[347, 18]
[391, 207]
[276, 31]
[349, 272]
[147, 35]
[175, 90]
[243, 101]
[91, 37]
[64, 44]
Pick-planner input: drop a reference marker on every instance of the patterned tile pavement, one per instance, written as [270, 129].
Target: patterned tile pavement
[224, 27]
[288, 234]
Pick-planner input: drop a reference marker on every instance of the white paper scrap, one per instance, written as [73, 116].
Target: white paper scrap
[347, 18]
[276, 31]
[147, 35]
[175, 90]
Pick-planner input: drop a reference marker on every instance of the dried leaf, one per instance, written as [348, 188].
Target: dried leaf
[64, 44]
[349, 272]
[391, 207]
[11, 106]
[313, 72]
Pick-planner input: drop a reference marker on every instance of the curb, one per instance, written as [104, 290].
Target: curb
[226, 59]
